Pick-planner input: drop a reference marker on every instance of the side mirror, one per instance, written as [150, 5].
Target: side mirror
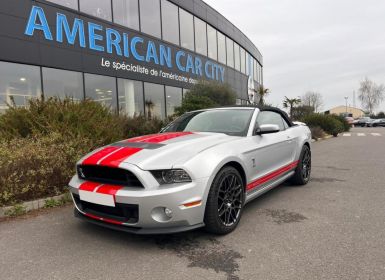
[267, 129]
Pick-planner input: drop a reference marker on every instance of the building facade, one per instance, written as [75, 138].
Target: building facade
[349, 111]
[135, 56]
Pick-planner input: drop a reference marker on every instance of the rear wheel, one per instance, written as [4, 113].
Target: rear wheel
[225, 201]
[302, 172]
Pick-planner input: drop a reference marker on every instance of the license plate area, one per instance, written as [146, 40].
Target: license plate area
[97, 198]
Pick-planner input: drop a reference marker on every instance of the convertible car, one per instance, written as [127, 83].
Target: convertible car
[200, 171]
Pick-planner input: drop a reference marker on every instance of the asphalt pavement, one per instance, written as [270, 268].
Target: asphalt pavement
[333, 228]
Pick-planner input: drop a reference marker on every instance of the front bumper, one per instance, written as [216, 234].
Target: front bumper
[148, 201]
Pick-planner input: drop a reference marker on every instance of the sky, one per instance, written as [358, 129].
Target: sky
[327, 46]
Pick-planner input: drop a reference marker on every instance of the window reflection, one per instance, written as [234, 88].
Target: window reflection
[150, 17]
[154, 101]
[97, 8]
[200, 36]
[170, 23]
[230, 52]
[18, 84]
[126, 13]
[101, 89]
[73, 4]
[130, 94]
[186, 29]
[173, 99]
[62, 84]
[212, 42]
[237, 57]
[221, 48]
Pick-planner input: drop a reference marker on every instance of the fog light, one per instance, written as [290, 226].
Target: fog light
[161, 214]
[168, 212]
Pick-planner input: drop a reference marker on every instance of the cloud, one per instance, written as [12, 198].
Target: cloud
[328, 46]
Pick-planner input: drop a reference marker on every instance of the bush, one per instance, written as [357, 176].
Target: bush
[317, 132]
[327, 123]
[32, 168]
[40, 145]
[206, 95]
[342, 119]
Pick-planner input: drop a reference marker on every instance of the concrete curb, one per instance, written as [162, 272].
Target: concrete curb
[320, 139]
[32, 205]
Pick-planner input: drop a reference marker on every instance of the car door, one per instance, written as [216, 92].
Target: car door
[270, 152]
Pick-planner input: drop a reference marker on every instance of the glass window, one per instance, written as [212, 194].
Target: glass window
[18, 84]
[237, 57]
[154, 100]
[249, 65]
[173, 99]
[150, 17]
[255, 70]
[229, 121]
[200, 36]
[243, 61]
[221, 48]
[73, 4]
[101, 89]
[97, 8]
[130, 96]
[212, 42]
[126, 13]
[62, 84]
[186, 29]
[170, 22]
[269, 117]
[230, 52]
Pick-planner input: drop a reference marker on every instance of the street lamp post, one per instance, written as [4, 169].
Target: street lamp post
[346, 101]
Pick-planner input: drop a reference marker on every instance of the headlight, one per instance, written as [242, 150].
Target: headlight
[171, 176]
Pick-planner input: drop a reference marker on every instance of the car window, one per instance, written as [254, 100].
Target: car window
[269, 117]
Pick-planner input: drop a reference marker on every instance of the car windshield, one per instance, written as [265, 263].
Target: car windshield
[229, 121]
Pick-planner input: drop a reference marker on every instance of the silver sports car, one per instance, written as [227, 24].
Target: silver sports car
[200, 171]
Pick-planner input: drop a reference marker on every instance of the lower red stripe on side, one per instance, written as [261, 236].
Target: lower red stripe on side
[103, 219]
[89, 186]
[271, 176]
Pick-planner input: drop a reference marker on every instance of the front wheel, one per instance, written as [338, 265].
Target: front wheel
[302, 172]
[225, 201]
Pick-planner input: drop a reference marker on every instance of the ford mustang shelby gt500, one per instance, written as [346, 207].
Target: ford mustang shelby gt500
[199, 171]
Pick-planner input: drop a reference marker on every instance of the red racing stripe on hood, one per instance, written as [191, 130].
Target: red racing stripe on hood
[116, 158]
[117, 155]
[94, 158]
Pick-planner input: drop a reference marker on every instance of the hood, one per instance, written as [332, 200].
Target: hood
[157, 151]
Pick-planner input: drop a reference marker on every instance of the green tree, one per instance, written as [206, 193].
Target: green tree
[302, 111]
[205, 95]
[290, 103]
[262, 93]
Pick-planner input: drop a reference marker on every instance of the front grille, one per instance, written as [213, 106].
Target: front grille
[125, 213]
[108, 175]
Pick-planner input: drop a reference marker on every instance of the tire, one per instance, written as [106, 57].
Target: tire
[302, 172]
[225, 202]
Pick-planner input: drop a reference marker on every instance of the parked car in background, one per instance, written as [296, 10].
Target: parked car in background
[350, 120]
[370, 122]
[362, 121]
[378, 122]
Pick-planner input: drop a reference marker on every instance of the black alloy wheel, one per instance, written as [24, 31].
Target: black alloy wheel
[230, 199]
[303, 171]
[225, 201]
